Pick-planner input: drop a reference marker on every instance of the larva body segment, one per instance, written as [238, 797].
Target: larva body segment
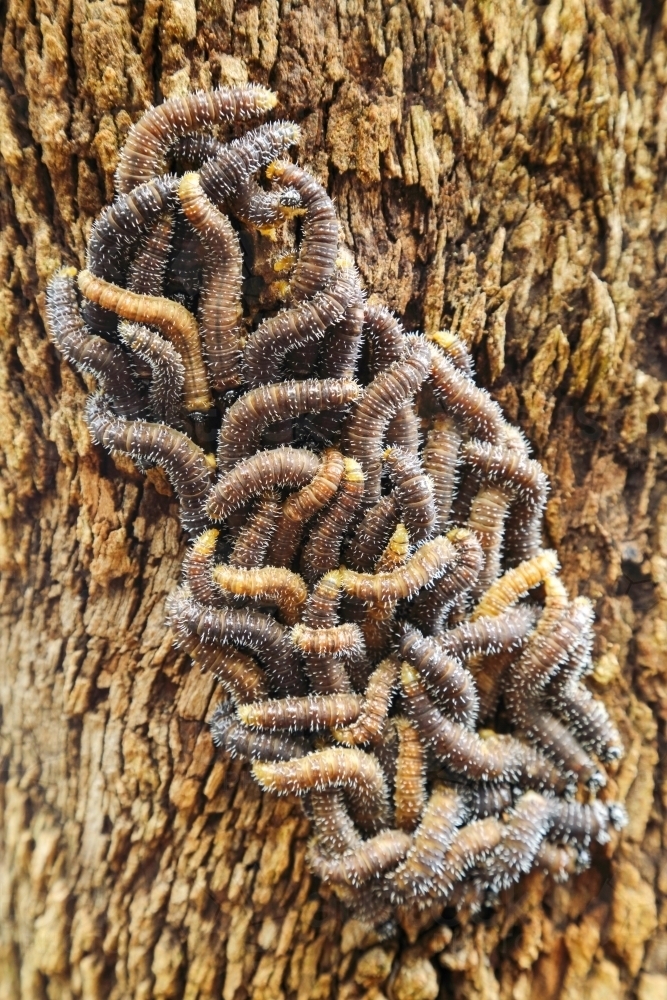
[247, 629]
[150, 139]
[501, 634]
[284, 468]
[583, 822]
[464, 400]
[450, 683]
[587, 718]
[268, 584]
[300, 507]
[486, 799]
[246, 420]
[156, 444]
[368, 860]
[312, 713]
[230, 735]
[319, 246]
[388, 345]
[523, 832]
[487, 520]
[167, 370]
[254, 539]
[427, 564]
[171, 319]
[414, 493]
[88, 352]
[322, 550]
[220, 308]
[455, 349]
[337, 640]
[440, 457]
[396, 551]
[384, 397]
[340, 351]
[334, 830]
[293, 328]
[237, 673]
[358, 773]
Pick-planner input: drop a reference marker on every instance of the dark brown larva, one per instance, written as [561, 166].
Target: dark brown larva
[373, 534]
[237, 673]
[88, 352]
[523, 832]
[283, 468]
[462, 568]
[426, 858]
[500, 634]
[486, 799]
[244, 422]
[254, 539]
[370, 859]
[156, 444]
[150, 139]
[455, 349]
[165, 394]
[384, 397]
[414, 493]
[228, 176]
[451, 685]
[171, 319]
[464, 400]
[389, 344]
[319, 246]
[229, 734]
[293, 328]
[247, 629]
[220, 308]
[314, 712]
[368, 726]
[148, 269]
[498, 758]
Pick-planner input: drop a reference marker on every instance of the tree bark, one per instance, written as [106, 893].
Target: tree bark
[499, 168]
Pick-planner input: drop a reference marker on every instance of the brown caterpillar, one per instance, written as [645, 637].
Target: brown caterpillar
[238, 674]
[228, 734]
[414, 493]
[464, 400]
[523, 832]
[386, 394]
[427, 564]
[410, 778]
[486, 799]
[464, 562]
[198, 569]
[156, 444]
[370, 722]
[293, 328]
[425, 860]
[498, 758]
[337, 640]
[440, 458]
[371, 858]
[358, 773]
[455, 349]
[487, 519]
[283, 468]
[314, 712]
[300, 507]
[516, 583]
[228, 174]
[248, 629]
[254, 539]
[147, 272]
[246, 420]
[268, 584]
[500, 634]
[88, 352]
[171, 319]
[372, 535]
[449, 682]
[322, 550]
[150, 139]
[165, 394]
[319, 246]
[220, 308]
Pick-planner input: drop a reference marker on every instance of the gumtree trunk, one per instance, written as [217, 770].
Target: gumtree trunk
[499, 168]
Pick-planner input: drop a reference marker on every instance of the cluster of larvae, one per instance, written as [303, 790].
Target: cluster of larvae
[366, 577]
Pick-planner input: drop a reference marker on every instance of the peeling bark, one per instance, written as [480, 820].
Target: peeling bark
[498, 168]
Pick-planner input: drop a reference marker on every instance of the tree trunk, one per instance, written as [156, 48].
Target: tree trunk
[498, 168]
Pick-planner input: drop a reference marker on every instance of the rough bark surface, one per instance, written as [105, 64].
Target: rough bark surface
[499, 167]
